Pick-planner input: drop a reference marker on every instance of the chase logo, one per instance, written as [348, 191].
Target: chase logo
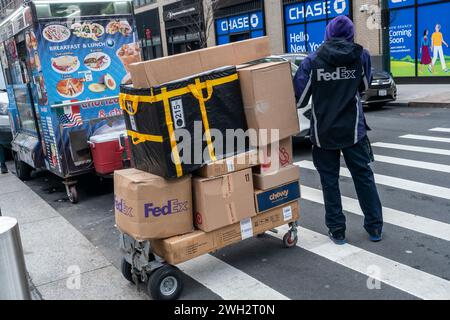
[277, 195]
[297, 12]
[173, 206]
[341, 73]
[254, 20]
[339, 6]
[121, 206]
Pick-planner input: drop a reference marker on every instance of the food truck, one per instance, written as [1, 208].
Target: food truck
[64, 62]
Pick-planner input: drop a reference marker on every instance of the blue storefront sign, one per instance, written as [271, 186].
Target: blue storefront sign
[305, 22]
[252, 23]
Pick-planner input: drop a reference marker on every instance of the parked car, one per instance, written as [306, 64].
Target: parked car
[304, 114]
[295, 58]
[381, 90]
[5, 129]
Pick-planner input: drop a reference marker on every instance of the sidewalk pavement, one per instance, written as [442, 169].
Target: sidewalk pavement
[55, 252]
[423, 95]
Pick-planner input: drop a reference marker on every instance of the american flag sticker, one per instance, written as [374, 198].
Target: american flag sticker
[70, 116]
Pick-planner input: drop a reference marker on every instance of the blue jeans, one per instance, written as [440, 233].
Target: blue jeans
[2, 154]
[357, 158]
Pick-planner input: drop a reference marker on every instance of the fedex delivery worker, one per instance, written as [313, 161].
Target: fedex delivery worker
[335, 76]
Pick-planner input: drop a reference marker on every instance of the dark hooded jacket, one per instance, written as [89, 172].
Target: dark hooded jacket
[335, 75]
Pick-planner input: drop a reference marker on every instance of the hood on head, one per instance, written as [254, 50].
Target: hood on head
[338, 52]
[340, 27]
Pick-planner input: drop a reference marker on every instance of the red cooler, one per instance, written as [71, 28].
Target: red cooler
[108, 152]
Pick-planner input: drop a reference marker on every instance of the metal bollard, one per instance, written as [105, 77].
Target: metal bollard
[13, 277]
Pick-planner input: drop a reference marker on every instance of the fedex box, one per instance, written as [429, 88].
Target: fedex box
[150, 207]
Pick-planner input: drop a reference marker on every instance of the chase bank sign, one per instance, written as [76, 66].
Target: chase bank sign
[248, 23]
[245, 22]
[315, 10]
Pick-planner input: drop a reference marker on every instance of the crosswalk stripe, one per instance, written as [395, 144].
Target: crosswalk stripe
[440, 129]
[419, 187]
[411, 148]
[415, 282]
[402, 219]
[227, 281]
[413, 163]
[425, 138]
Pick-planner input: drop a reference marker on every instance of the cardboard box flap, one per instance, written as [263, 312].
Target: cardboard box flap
[158, 71]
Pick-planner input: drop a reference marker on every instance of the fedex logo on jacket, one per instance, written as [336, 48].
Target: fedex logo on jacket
[341, 73]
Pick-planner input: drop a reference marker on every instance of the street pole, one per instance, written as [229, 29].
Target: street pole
[385, 45]
[13, 277]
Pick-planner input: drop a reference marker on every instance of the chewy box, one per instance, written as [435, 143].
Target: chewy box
[277, 196]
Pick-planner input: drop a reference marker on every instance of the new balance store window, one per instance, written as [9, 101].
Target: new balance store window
[305, 22]
[236, 21]
[149, 32]
[184, 26]
[418, 33]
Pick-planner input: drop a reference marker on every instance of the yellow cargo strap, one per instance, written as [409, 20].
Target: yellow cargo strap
[198, 94]
[173, 142]
[137, 137]
[164, 96]
[135, 99]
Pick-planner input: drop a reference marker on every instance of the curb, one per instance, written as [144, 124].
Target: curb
[419, 104]
[425, 104]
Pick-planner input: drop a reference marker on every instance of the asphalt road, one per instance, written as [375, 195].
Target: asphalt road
[412, 261]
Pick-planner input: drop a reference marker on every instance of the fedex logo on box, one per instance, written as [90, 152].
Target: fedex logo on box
[122, 207]
[171, 207]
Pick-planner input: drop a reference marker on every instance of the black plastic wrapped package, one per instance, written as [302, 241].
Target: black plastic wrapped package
[160, 122]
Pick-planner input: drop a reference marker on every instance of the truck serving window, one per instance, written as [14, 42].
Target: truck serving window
[24, 107]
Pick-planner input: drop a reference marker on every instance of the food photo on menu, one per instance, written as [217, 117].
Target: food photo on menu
[87, 58]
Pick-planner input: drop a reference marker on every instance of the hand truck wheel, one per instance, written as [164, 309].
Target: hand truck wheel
[125, 268]
[290, 240]
[165, 283]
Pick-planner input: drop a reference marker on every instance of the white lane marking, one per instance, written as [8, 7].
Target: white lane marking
[440, 129]
[425, 138]
[415, 282]
[227, 281]
[444, 152]
[419, 187]
[413, 163]
[402, 219]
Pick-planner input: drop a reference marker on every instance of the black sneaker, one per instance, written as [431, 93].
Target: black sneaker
[338, 237]
[4, 168]
[375, 235]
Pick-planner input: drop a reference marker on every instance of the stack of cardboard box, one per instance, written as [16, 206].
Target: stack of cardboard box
[229, 199]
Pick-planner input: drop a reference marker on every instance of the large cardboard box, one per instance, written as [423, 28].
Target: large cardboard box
[275, 156]
[278, 196]
[224, 200]
[165, 69]
[277, 178]
[238, 162]
[150, 207]
[269, 101]
[182, 248]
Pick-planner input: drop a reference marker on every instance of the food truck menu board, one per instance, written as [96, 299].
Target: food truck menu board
[86, 59]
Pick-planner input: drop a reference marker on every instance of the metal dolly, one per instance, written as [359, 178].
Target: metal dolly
[165, 281]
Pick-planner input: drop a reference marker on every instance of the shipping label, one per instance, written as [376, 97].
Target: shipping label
[177, 113]
[246, 228]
